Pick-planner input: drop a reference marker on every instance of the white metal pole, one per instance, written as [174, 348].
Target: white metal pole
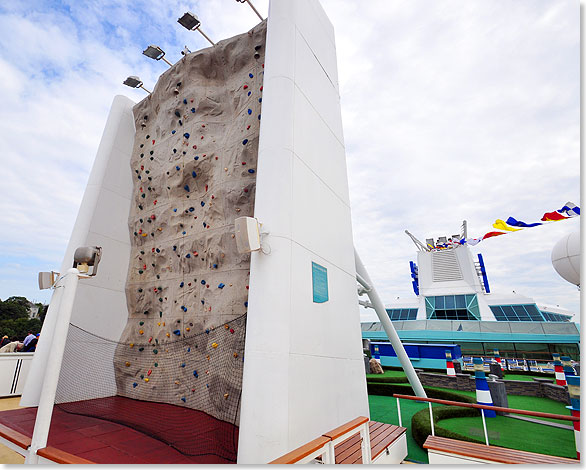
[389, 329]
[255, 10]
[431, 419]
[399, 412]
[206, 36]
[484, 426]
[53, 368]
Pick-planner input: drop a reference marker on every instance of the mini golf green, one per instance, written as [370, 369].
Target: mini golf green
[503, 431]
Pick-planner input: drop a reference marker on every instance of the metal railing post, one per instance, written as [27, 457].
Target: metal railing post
[431, 419]
[484, 426]
[399, 412]
[53, 367]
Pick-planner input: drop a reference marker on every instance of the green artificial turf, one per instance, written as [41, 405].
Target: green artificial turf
[526, 378]
[515, 434]
[388, 373]
[503, 431]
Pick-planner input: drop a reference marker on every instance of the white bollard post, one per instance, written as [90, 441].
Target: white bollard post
[55, 357]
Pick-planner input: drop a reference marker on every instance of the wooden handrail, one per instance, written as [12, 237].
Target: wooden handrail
[301, 452]
[15, 437]
[60, 456]
[340, 430]
[537, 414]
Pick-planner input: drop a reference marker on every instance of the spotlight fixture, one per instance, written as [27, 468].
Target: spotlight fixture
[191, 22]
[134, 82]
[156, 53]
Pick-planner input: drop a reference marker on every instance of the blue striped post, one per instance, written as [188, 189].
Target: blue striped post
[568, 369]
[574, 391]
[483, 396]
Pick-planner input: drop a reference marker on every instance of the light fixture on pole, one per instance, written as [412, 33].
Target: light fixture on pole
[134, 82]
[251, 6]
[191, 22]
[156, 53]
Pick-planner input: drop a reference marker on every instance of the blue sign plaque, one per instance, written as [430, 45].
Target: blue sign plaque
[320, 283]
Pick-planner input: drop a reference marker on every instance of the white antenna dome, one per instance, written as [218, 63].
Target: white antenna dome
[565, 258]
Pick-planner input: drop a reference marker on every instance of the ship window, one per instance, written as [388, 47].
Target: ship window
[452, 307]
[533, 313]
[460, 301]
[527, 312]
[396, 314]
[521, 313]
[498, 312]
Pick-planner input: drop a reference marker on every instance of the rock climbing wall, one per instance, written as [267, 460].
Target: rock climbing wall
[194, 163]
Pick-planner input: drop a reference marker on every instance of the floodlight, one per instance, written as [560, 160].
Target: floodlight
[86, 257]
[47, 279]
[134, 82]
[251, 6]
[191, 22]
[156, 53]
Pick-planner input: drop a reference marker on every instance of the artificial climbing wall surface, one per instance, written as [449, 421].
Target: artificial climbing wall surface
[194, 164]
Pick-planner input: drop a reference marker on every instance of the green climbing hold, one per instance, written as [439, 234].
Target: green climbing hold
[155, 351]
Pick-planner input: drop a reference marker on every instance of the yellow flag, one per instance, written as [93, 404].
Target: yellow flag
[502, 225]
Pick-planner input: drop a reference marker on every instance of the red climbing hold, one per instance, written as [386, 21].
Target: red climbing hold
[195, 146]
[244, 163]
[245, 87]
[232, 330]
[150, 372]
[153, 141]
[260, 88]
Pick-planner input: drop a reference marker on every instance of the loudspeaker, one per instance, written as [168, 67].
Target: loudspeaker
[247, 234]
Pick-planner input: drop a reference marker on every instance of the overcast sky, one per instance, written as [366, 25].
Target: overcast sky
[452, 110]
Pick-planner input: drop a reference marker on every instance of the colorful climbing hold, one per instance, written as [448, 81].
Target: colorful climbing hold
[195, 374]
[127, 364]
[177, 332]
[183, 399]
[214, 345]
[245, 141]
[221, 285]
[134, 385]
[251, 171]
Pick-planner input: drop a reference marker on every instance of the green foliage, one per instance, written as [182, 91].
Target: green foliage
[388, 380]
[421, 424]
[14, 318]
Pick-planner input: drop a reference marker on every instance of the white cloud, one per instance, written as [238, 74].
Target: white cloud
[452, 110]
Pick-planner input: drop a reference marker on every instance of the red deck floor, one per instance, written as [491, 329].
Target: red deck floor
[106, 442]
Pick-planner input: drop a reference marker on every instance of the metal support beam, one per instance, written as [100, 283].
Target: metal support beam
[389, 329]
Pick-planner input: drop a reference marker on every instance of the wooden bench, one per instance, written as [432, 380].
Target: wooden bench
[442, 450]
[382, 436]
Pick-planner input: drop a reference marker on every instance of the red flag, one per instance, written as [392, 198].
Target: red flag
[553, 216]
[492, 234]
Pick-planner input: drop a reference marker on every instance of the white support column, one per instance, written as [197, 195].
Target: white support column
[389, 329]
[68, 283]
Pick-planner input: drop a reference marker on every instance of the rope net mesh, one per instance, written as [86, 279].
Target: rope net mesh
[197, 380]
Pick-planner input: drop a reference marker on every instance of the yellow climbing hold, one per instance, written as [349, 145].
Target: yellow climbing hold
[132, 345]
[127, 364]
[226, 396]
[140, 332]
[187, 329]
[214, 345]
[235, 354]
[226, 326]
[144, 234]
[159, 324]
[167, 335]
[146, 379]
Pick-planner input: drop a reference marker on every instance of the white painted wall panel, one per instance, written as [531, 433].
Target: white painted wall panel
[303, 369]
[100, 303]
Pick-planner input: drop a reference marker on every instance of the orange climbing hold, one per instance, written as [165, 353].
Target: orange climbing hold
[127, 364]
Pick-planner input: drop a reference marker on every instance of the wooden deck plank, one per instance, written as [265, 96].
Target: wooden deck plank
[492, 453]
[382, 435]
[59, 456]
[15, 437]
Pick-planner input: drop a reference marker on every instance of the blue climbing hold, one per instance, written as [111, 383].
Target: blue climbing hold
[177, 332]
[184, 101]
[215, 266]
[251, 171]
[188, 255]
[184, 308]
[191, 209]
[249, 93]
[182, 284]
[250, 75]
[186, 135]
[186, 187]
[174, 248]
[249, 111]
[204, 224]
[203, 203]
[259, 117]
[184, 232]
[246, 304]
[134, 385]
[196, 158]
[260, 100]
[221, 285]
[174, 210]
[177, 113]
[180, 122]
[193, 110]
[245, 141]
[207, 331]
[193, 174]
[183, 399]
[178, 168]
[183, 364]
[173, 131]
[203, 283]
[188, 349]
[195, 374]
